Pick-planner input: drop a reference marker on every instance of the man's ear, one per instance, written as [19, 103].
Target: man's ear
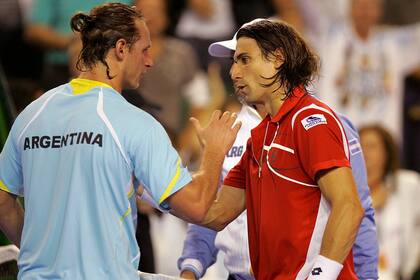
[278, 58]
[121, 49]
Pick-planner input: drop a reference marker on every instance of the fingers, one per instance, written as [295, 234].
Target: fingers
[237, 127]
[232, 119]
[216, 115]
[198, 129]
[225, 117]
[196, 124]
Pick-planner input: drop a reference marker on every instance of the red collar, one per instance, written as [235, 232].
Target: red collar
[258, 134]
[289, 104]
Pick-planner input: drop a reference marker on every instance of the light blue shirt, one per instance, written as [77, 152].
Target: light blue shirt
[73, 155]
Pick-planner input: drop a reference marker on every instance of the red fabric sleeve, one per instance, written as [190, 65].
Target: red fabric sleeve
[237, 175]
[321, 141]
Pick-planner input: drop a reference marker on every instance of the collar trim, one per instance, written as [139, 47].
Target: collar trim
[81, 86]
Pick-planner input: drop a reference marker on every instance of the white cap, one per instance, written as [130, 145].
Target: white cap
[225, 48]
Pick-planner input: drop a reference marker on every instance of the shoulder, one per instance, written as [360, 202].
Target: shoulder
[37, 106]
[131, 116]
[312, 112]
[130, 121]
[349, 127]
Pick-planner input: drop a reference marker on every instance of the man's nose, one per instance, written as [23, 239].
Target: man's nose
[234, 72]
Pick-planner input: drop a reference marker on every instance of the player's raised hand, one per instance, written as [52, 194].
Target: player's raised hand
[220, 132]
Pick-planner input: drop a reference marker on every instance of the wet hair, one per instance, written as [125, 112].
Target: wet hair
[391, 150]
[101, 29]
[300, 64]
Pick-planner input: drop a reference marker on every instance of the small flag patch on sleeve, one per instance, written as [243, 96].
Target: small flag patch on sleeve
[354, 146]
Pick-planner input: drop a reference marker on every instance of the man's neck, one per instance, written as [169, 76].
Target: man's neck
[99, 74]
[276, 100]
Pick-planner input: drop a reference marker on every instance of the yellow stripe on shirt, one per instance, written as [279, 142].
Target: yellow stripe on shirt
[80, 86]
[131, 192]
[125, 214]
[172, 183]
[4, 187]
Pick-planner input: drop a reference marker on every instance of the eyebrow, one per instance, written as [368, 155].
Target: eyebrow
[239, 56]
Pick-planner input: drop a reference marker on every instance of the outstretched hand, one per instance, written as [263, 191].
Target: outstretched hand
[220, 133]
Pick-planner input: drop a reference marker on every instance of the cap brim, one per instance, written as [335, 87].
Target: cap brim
[222, 48]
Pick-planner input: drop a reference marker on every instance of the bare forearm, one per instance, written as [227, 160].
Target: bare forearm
[217, 217]
[192, 202]
[208, 177]
[11, 220]
[228, 206]
[341, 231]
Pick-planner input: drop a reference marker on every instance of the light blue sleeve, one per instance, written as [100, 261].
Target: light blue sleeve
[11, 178]
[157, 165]
[198, 245]
[365, 248]
[43, 12]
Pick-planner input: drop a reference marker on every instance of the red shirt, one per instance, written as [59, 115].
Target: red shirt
[287, 213]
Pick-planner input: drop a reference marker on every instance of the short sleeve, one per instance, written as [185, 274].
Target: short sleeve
[11, 178]
[321, 142]
[237, 175]
[157, 165]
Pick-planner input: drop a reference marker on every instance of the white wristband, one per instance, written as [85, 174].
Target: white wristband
[325, 269]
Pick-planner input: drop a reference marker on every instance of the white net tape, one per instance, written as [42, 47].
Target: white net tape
[149, 276]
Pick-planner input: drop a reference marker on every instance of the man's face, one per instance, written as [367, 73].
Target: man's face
[248, 71]
[366, 13]
[138, 59]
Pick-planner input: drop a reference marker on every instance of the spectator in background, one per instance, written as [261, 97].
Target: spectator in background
[407, 12]
[395, 194]
[49, 29]
[363, 66]
[412, 122]
[246, 10]
[203, 22]
[21, 63]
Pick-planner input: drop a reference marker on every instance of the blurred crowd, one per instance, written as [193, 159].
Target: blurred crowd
[370, 71]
